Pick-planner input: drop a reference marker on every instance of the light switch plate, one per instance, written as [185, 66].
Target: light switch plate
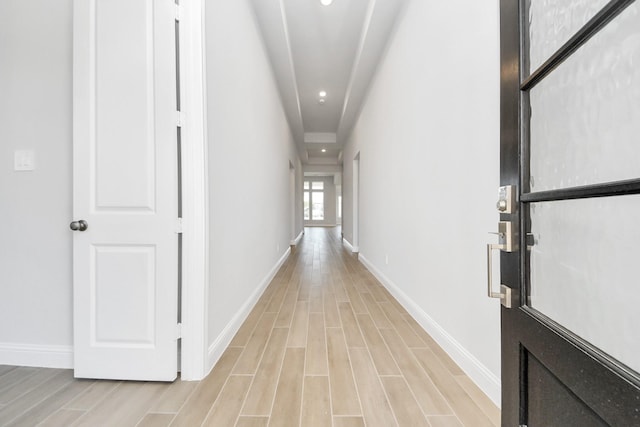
[24, 160]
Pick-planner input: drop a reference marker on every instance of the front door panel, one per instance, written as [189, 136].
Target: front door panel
[570, 116]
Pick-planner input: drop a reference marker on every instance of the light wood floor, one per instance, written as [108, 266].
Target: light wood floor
[326, 345]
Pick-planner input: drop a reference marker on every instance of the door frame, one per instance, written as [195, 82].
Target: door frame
[356, 204]
[292, 203]
[195, 193]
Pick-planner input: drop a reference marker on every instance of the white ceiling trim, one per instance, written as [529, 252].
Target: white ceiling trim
[296, 91]
[356, 62]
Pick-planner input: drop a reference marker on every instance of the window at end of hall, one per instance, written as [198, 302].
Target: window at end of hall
[313, 200]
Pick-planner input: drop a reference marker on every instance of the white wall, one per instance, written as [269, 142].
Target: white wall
[36, 206]
[428, 137]
[250, 147]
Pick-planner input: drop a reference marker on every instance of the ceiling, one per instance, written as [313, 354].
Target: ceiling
[334, 48]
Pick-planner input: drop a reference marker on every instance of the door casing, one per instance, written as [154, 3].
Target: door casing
[195, 200]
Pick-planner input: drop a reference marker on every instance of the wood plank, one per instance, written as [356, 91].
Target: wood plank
[356, 301]
[385, 365]
[376, 289]
[56, 397]
[403, 402]
[175, 395]
[464, 407]
[331, 315]
[449, 421]
[316, 402]
[350, 325]
[21, 381]
[15, 376]
[433, 345]
[338, 288]
[62, 417]
[277, 299]
[44, 382]
[126, 407]
[375, 406]
[288, 400]
[405, 331]
[196, 408]
[481, 399]
[348, 422]
[315, 300]
[5, 369]
[94, 394]
[316, 360]
[260, 397]
[299, 325]
[250, 357]
[226, 409]
[378, 316]
[285, 315]
[244, 421]
[429, 397]
[244, 333]
[344, 397]
[156, 420]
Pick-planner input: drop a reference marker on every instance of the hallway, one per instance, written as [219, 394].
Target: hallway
[326, 344]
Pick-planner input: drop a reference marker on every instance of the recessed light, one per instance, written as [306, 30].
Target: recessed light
[322, 93]
[324, 150]
[326, 2]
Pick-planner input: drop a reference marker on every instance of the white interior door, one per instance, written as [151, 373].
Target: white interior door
[125, 189]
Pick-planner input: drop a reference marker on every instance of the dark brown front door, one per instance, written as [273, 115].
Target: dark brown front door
[570, 144]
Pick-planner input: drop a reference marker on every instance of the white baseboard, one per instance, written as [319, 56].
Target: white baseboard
[220, 344]
[41, 356]
[295, 241]
[349, 246]
[479, 373]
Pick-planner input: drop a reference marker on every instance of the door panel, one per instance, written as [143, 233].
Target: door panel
[568, 144]
[553, 22]
[123, 281]
[582, 125]
[124, 105]
[589, 287]
[550, 403]
[125, 187]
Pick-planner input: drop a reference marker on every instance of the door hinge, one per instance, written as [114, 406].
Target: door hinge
[178, 330]
[179, 119]
[178, 12]
[179, 226]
